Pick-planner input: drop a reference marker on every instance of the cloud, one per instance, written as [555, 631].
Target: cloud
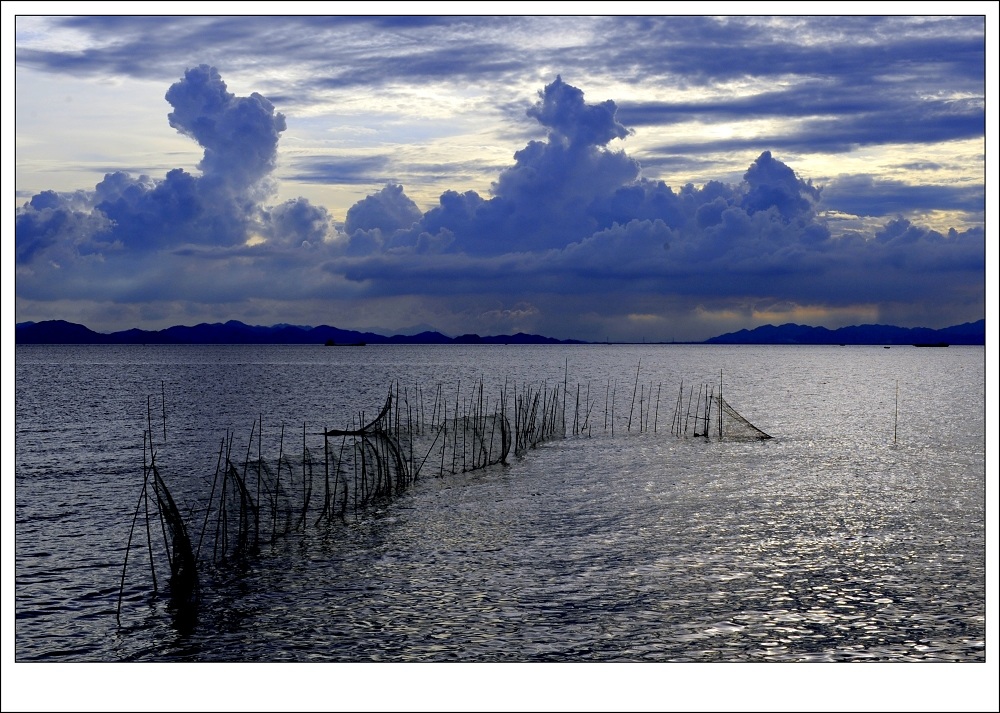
[346, 170]
[734, 48]
[221, 207]
[572, 121]
[372, 222]
[239, 134]
[297, 221]
[464, 47]
[570, 237]
[772, 184]
[56, 228]
[387, 211]
[796, 86]
[551, 196]
[761, 239]
[568, 176]
[916, 120]
[865, 195]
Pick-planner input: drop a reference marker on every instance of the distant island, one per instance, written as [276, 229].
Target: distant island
[967, 333]
[233, 332]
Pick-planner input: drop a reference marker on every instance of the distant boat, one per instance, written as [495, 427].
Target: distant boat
[331, 343]
[887, 347]
[931, 344]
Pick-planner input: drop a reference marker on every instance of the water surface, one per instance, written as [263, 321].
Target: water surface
[855, 534]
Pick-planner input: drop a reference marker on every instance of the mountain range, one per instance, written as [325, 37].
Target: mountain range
[968, 333]
[233, 332]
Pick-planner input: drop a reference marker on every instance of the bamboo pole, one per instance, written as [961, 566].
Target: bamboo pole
[145, 496]
[708, 407]
[565, 385]
[642, 398]
[128, 546]
[163, 404]
[687, 410]
[720, 404]
[895, 420]
[613, 409]
[326, 474]
[260, 434]
[656, 411]
[277, 481]
[633, 395]
[211, 498]
[444, 441]
[606, 393]
[454, 448]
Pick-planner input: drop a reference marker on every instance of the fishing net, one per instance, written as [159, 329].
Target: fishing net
[733, 426]
[706, 414]
[455, 445]
[253, 501]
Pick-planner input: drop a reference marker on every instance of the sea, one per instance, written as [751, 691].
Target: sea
[856, 533]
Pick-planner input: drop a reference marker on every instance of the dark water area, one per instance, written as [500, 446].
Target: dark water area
[856, 534]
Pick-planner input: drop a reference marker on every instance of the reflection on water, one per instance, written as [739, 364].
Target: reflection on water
[829, 543]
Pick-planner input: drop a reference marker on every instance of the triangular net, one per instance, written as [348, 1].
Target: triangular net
[734, 426]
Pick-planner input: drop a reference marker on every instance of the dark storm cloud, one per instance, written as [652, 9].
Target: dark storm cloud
[391, 22]
[801, 101]
[931, 121]
[853, 55]
[562, 190]
[573, 122]
[143, 46]
[759, 240]
[852, 93]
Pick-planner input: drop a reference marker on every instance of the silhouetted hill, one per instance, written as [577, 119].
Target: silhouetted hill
[968, 333]
[57, 331]
[233, 332]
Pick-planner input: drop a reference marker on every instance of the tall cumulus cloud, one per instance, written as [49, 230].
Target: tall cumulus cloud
[221, 207]
[573, 185]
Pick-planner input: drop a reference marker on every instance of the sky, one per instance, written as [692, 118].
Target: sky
[608, 177]
[628, 177]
